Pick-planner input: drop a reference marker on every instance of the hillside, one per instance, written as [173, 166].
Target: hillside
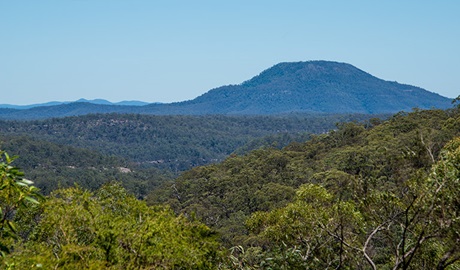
[174, 142]
[305, 87]
[375, 195]
[376, 156]
[52, 166]
[316, 86]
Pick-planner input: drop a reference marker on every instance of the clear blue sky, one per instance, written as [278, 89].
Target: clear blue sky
[166, 51]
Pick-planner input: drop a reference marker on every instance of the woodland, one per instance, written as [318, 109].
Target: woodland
[93, 149]
[366, 193]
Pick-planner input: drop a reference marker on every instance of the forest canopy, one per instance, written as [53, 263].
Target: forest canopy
[371, 195]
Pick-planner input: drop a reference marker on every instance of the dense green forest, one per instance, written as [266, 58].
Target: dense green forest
[54, 166]
[381, 194]
[143, 151]
[355, 196]
[176, 143]
[106, 229]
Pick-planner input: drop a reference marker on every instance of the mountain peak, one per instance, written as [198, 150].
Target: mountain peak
[318, 86]
[304, 71]
[95, 101]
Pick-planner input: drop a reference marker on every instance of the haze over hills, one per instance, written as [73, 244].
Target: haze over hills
[316, 86]
[305, 87]
[94, 101]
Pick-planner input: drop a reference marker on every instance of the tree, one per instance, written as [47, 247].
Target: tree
[16, 194]
[111, 229]
[413, 226]
[303, 234]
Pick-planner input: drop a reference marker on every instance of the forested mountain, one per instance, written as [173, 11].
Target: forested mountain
[315, 86]
[173, 142]
[308, 87]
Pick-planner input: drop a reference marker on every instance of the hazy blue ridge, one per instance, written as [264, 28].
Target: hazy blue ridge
[317, 86]
[24, 107]
[305, 87]
[94, 101]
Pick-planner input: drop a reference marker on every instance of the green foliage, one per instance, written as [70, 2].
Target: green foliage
[55, 166]
[277, 141]
[175, 142]
[16, 195]
[374, 178]
[224, 195]
[374, 195]
[444, 207]
[415, 226]
[302, 233]
[111, 229]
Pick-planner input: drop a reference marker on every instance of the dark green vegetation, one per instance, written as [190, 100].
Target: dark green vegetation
[15, 194]
[363, 196]
[106, 229]
[371, 195]
[54, 166]
[173, 142]
[307, 87]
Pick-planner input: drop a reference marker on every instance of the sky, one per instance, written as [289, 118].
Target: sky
[169, 51]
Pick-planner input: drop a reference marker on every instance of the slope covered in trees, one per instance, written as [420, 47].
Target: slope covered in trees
[314, 86]
[54, 166]
[363, 196]
[107, 229]
[378, 195]
[173, 142]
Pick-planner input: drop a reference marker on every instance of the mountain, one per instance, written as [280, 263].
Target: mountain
[122, 103]
[94, 101]
[63, 110]
[133, 103]
[306, 87]
[315, 86]
[24, 107]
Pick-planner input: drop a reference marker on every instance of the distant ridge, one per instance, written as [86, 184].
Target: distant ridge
[301, 87]
[93, 101]
[24, 107]
[121, 103]
[315, 86]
